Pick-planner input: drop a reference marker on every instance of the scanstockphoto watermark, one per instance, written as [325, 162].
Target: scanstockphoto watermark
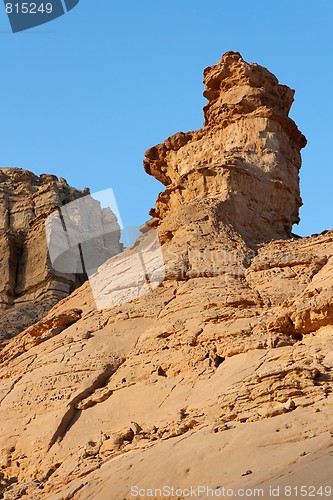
[82, 237]
[25, 15]
[202, 491]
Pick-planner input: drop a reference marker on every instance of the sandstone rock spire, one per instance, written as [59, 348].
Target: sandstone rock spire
[246, 159]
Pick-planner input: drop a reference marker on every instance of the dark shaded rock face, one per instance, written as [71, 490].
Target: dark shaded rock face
[29, 286]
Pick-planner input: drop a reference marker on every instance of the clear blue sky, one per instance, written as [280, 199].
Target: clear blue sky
[84, 96]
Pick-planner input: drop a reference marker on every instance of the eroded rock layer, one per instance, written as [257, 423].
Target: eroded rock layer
[221, 376]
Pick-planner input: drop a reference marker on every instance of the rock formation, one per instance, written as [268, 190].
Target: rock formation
[221, 376]
[244, 163]
[29, 286]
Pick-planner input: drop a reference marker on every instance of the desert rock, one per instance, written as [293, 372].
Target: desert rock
[243, 166]
[226, 366]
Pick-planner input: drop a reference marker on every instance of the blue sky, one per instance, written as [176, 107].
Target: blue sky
[84, 96]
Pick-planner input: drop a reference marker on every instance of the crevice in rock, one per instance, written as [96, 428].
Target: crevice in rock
[166, 397]
[68, 417]
[11, 388]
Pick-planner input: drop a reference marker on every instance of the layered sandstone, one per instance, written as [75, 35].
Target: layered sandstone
[29, 285]
[245, 161]
[221, 376]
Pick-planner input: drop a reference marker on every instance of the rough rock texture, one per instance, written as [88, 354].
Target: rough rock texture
[29, 286]
[244, 163]
[222, 376]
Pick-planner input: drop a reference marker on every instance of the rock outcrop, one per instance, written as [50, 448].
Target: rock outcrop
[29, 285]
[246, 160]
[220, 377]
